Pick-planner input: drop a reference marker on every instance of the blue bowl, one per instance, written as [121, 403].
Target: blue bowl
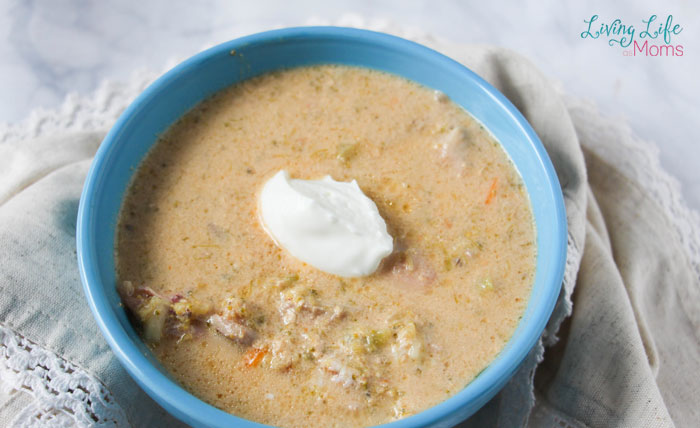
[219, 67]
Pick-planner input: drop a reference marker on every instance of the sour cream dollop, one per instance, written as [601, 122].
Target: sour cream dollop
[328, 224]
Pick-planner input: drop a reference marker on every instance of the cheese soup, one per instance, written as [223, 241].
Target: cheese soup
[247, 327]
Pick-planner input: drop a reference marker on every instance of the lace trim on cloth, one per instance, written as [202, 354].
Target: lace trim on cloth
[64, 395]
[96, 111]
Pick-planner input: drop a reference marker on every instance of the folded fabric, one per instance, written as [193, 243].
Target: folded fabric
[627, 355]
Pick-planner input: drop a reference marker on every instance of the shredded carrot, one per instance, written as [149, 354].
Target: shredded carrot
[254, 356]
[492, 191]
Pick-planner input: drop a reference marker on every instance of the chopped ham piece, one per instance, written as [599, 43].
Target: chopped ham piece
[411, 268]
[232, 329]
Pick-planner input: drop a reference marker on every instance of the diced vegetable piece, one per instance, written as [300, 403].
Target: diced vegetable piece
[344, 373]
[153, 314]
[447, 262]
[284, 353]
[296, 299]
[182, 308]
[287, 280]
[354, 343]
[376, 339]
[346, 152]
[199, 308]
[408, 344]
[364, 342]
[234, 309]
[492, 191]
[183, 313]
[486, 284]
[254, 356]
[291, 302]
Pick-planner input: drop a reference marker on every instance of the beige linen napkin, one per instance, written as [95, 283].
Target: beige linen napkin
[627, 355]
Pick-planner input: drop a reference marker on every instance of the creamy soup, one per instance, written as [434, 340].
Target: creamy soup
[245, 326]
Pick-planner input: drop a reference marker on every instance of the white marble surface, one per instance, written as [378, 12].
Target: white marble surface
[51, 48]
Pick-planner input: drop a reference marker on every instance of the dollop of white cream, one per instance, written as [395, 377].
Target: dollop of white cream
[328, 224]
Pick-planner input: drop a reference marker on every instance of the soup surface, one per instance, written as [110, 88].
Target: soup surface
[248, 328]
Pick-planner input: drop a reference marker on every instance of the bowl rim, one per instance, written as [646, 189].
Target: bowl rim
[192, 410]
